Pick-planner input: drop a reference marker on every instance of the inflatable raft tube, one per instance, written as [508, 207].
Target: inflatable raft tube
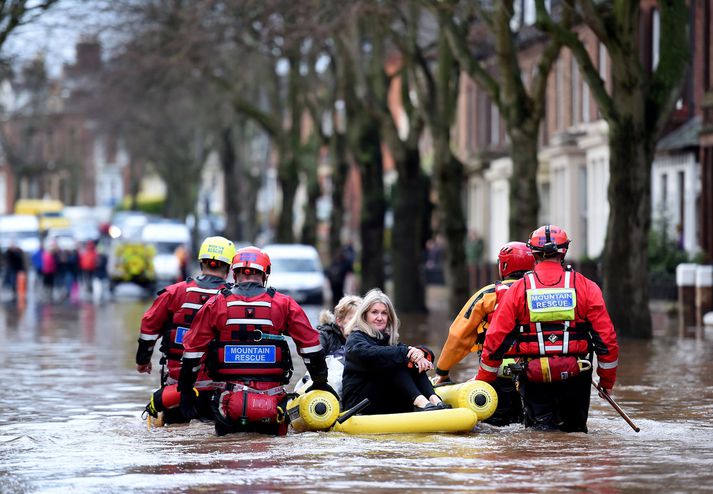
[313, 411]
[319, 411]
[478, 396]
[453, 420]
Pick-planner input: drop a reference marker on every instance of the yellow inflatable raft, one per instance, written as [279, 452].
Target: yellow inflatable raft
[478, 396]
[453, 420]
[319, 410]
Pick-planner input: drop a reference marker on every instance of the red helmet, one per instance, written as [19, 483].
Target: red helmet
[549, 240]
[514, 257]
[251, 258]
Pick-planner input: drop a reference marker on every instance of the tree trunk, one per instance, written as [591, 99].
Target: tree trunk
[407, 238]
[625, 264]
[134, 184]
[288, 178]
[233, 196]
[339, 181]
[449, 176]
[524, 198]
[182, 190]
[249, 222]
[309, 228]
[368, 145]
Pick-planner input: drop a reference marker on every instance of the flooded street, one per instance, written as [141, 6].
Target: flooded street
[70, 421]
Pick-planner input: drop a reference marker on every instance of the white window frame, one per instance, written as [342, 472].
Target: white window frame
[494, 125]
[655, 38]
[575, 81]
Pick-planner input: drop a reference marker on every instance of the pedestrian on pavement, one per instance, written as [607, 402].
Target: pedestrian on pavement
[14, 260]
[553, 318]
[49, 269]
[337, 273]
[88, 264]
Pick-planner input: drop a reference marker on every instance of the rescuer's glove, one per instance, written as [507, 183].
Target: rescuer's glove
[322, 386]
[189, 400]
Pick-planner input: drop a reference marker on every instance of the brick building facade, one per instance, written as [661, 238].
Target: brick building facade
[52, 148]
[574, 153]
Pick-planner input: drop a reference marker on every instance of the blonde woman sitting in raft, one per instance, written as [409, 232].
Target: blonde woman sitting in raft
[392, 375]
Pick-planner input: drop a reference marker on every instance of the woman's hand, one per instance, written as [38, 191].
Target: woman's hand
[423, 364]
[415, 354]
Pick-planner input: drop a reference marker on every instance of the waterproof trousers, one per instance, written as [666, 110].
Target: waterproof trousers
[562, 405]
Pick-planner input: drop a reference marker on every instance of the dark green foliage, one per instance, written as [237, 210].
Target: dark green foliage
[664, 251]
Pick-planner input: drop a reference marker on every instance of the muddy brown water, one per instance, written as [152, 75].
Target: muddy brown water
[70, 421]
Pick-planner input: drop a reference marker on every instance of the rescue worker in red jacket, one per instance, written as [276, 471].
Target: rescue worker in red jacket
[171, 316]
[240, 335]
[554, 318]
[468, 330]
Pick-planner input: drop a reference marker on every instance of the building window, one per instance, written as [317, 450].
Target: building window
[576, 101]
[681, 227]
[544, 191]
[494, 125]
[583, 213]
[516, 19]
[559, 88]
[483, 119]
[471, 115]
[655, 37]
[529, 11]
[602, 65]
[586, 117]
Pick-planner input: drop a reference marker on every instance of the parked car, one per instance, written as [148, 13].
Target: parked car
[22, 229]
[297, 271]
[167, 238]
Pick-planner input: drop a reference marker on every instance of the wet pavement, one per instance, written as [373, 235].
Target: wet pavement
[70, 421]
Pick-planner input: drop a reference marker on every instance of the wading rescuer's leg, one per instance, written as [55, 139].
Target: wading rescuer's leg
[573, 403]
[539, 404]
[186, 381]
[509, 409]
[562, 405]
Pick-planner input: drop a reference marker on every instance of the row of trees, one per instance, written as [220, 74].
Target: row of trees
[189, 77]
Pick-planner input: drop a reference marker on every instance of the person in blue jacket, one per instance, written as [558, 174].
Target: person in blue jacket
[390, 374]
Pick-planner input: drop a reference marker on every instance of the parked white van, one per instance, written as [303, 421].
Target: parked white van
[22, 229]
[297, 271]
[166, 237]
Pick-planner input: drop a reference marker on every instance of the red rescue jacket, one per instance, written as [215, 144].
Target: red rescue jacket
[170, 317]
[240, 334]
[590, 326]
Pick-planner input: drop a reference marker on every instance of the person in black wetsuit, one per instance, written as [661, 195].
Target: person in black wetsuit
[390, 374]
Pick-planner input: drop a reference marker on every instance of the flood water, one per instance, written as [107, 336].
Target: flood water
[70, 421]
